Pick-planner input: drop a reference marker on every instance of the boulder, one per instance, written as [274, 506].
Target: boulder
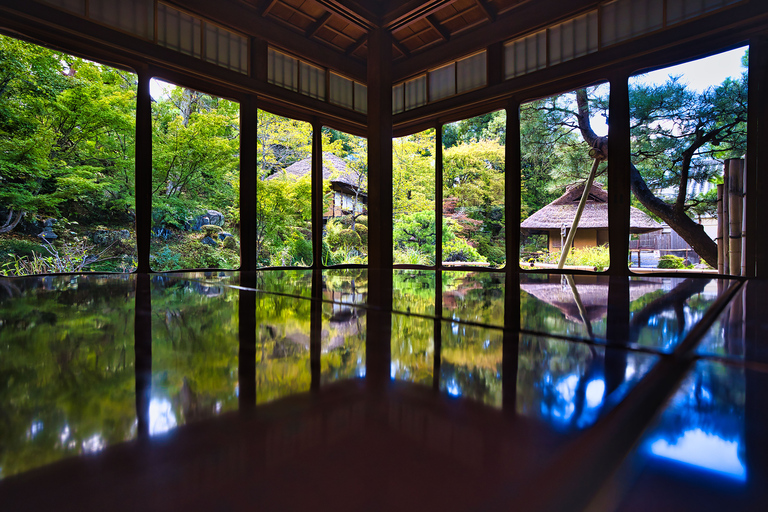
[208, 217]
[48, 234]
[230, 243]
[209, 241]
[108, 236]
[224, 235]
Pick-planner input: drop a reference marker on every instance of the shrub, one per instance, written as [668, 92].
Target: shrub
[597, 257]
[672, 262]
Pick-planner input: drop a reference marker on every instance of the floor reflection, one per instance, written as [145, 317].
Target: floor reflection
[470, 365]
[569, 385]
[66, 368]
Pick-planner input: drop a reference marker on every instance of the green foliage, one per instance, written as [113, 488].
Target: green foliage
[597, 257]
[672, 262]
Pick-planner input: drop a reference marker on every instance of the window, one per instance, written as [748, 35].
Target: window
[195, 180]
[473, 191]
[689, 135]
[560, 176]
[67, 194]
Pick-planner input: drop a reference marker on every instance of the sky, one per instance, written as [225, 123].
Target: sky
[702, 73]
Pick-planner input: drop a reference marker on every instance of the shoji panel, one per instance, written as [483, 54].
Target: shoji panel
[442, 82]
[226, 48]
[341, 91]
[361, 98]
[179, 31]
[134, 16]
[681, 10]
[312, 80]
[75, 6]
[398, 98]
[524, 55]
[625, 19]
[282, 70]
[416, 92]
[573, 38]
[471, 72]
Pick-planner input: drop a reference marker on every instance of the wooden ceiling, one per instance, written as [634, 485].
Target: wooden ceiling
[343, 25]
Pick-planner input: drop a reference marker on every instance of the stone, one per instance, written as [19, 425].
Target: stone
[106, 236]
[224, 235]
[49, 223]
[230, 243]
[209, 241]
[212, 217]
[48, 234]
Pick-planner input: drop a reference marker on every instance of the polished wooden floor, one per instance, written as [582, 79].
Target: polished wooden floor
[302, 390]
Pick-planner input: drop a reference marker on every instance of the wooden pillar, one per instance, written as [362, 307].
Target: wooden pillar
[380, 148]
[512, 188]
[619, 165]
[317, 195]
[438, 197]
[756, 181]
[380, 246]
[143, 165]
[726, 220]
[248, 184]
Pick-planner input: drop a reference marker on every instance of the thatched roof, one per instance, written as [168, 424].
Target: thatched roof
[593, 293]
[334, 169]
[562, 211]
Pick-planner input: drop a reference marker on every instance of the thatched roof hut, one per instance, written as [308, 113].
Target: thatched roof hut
[592, 291]
[593, 225]
[562, 210]
[335, 170]
[349, 190]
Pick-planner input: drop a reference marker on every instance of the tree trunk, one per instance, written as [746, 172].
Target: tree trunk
[683, 225]
[11, 222]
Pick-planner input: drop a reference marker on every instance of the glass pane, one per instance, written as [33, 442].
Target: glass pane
[284, 204]
[195, 180]
[345, 198]
[413, 198]
[689, 138]
[473, 191]
[67, 194]
[557, 163]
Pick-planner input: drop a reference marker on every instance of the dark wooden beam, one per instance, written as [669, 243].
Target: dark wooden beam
[411, 11]
[401, 47]
[248, 184]
[267, 6]
[354, 12]
[488, 11]
[317, 195]
[380, 149]
[358, 44]
[619, 166]
[437, 27]
[143, 166]
[317, 25]
[757, 157]
[512, 198]
[522, 19]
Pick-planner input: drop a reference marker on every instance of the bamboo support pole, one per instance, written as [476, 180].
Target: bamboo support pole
[744, 217]
[735, 202]
[572, 233]
[726, 221]
[719, 239]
